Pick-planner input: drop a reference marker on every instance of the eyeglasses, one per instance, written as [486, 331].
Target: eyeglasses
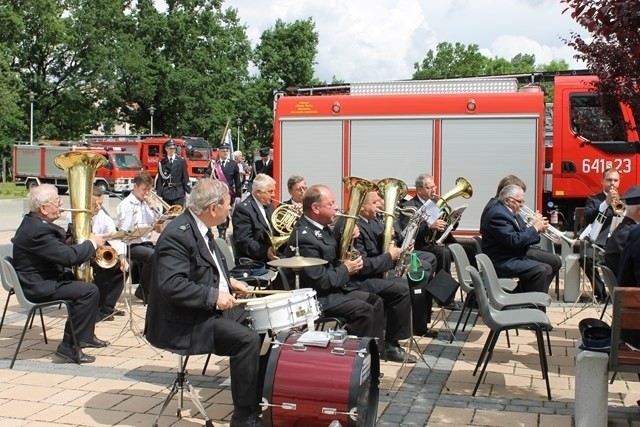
[429, 187]
[519, 201]
[57, 201]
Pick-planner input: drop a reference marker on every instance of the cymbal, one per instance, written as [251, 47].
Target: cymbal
[297, 262]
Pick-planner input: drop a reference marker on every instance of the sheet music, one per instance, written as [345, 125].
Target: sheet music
[585, 232]
[433, 212]
[596, 227]
[457, 212]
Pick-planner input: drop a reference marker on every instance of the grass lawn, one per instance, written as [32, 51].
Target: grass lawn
[8, 190]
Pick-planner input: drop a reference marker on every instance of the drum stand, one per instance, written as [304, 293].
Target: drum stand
[412, 342]
[586, 287]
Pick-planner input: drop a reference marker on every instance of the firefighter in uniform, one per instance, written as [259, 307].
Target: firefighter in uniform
[172, 183]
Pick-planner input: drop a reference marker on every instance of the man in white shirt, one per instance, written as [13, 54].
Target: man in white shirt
[135, 213]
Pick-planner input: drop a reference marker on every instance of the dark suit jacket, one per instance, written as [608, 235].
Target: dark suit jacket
[259, 167]
[591, 211]
[331, 280]
[231, 173]
[250, 230]
[177, 183]
[40, 256]
[506, 239]
[629, 269]
[369, 244]
[616, 243]
[184, 287]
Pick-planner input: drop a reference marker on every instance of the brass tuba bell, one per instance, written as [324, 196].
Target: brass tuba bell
[392, 190]
[358, 189]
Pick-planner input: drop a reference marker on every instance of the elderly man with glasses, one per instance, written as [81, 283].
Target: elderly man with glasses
[506, 237]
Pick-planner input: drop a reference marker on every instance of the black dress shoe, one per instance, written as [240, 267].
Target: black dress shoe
[253, 421]
[118, 312]
[70, 355]
[94, 343]
[429, 333]
[397, 354]
[139, 293]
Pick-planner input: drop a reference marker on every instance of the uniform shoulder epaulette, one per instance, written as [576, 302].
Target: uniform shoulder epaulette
[184, 227]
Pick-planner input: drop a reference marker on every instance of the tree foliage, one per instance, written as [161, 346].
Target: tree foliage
[612, 50]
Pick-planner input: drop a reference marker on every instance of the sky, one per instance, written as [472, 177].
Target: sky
[380, 40]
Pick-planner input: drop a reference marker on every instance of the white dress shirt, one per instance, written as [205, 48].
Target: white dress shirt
[223, 285]
[133, 213]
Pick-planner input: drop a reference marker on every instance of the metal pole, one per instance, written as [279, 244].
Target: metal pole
[238, 121]
[31, 98]
[152, 110]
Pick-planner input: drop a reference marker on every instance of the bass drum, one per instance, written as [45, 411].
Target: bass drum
[309, 386]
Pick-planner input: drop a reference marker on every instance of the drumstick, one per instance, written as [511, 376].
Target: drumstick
[261, 291]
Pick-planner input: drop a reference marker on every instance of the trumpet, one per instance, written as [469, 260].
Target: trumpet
[618, 206]
[106, 257]
[76, 210]
[552, 233]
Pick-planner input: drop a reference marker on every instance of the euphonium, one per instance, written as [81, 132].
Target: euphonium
[392, 191]
[358, 189]
[463, 188]
[80, 168]
[283, 218]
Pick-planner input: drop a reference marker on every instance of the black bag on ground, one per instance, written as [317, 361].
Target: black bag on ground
[443, 288]
[420, 303]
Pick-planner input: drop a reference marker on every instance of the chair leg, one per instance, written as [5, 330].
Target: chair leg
[543, 360]
[6, 305]
[468, 313]
[484, 351]
[549, 342]
[44, 330]
[508, 340]
[464, 307]
[32, 313]
[488, 357]
[558, 285]
[206, 363]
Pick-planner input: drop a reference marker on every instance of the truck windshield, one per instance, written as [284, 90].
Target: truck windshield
[198, 153]
[126, 162]
[597, 118]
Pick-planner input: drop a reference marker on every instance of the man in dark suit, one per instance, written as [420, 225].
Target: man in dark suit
[506, 239]
[191, 309]
[426, 190]
[252, 222]
[619, 237]
[227, 171]
[173, 178]
[377, 262]
[338, 294]
[296, 186]
[260, 166]
[41, 258]
[596, 205]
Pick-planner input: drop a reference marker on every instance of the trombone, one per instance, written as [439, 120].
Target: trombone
[171, 210]
[552, 233]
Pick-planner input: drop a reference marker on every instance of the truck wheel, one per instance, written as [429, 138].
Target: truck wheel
[62, 189]
[32, 183]
[103, 186]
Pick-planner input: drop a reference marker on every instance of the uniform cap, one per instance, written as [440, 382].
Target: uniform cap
[170, 144]
[224, 147]
[264, 152]
[632, 196]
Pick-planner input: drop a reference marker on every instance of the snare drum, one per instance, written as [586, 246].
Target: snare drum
[279, 312]
[312, 386]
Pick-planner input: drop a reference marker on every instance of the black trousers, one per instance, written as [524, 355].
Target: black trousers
[536, 279]
[142, 254]
[179, 201]
[363, 312]
[242, 345]
[110, 283]
[546, 257]
[397, 305]
[83, 299]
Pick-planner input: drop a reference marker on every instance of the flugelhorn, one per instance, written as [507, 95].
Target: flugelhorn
[618, 206]
[552, 233]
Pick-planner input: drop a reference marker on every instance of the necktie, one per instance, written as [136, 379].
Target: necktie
[211, 242]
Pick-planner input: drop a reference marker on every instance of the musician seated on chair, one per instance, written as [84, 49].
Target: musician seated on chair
[227, 171]
[506, 237]
[191, 309]
[620, 236]
[427, 234]
[110, 280]
[42, 259]
[296, 186]
[172, 182]
[251, 221]
[600, 208]
[533, 252]
[377, 262]
[338, 293]
[138, 213]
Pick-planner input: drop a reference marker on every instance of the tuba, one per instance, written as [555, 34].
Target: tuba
[463, 188]
[358, 189]
[283, 218]
[80, 168]
[392, 190]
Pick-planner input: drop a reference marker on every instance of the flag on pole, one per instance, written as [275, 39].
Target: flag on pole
[229, 140]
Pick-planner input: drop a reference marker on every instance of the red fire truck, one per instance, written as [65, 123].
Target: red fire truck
[150, 150]
[481, 129]
[34, 165]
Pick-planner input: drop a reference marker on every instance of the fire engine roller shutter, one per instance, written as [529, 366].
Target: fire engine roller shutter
[312, 149]
[397, 148]
[484, 150]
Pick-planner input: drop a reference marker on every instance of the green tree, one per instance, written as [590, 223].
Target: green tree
[13, 120]
[449, 61]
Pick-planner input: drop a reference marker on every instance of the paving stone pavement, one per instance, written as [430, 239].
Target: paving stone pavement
[129, 380]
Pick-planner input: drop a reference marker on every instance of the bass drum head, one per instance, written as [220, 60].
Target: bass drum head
[344, 376]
